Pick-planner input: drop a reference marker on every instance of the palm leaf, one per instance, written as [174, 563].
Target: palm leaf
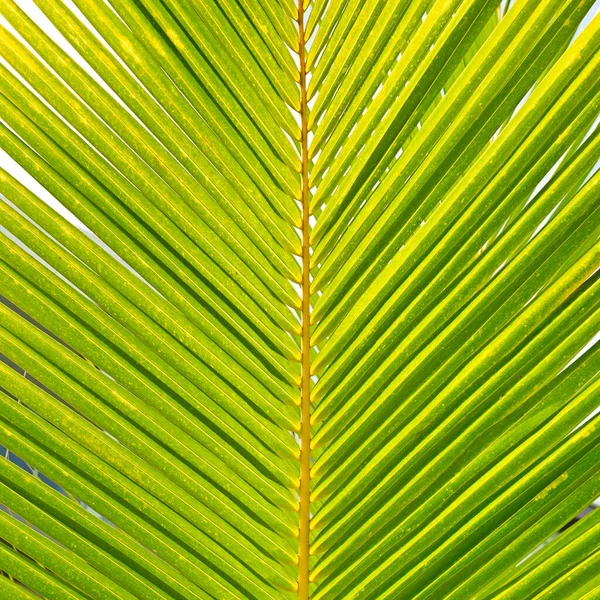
[299, 300]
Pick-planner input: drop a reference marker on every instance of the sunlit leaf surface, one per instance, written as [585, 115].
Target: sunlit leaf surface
[299, 301]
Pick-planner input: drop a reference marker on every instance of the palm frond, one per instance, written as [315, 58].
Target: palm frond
[299, 300]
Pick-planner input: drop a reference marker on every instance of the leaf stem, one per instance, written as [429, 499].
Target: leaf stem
[304, 533]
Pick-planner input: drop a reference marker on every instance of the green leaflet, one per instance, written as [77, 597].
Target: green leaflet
[72, 526]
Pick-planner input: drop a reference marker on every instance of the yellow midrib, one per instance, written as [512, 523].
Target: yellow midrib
[304, 527]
